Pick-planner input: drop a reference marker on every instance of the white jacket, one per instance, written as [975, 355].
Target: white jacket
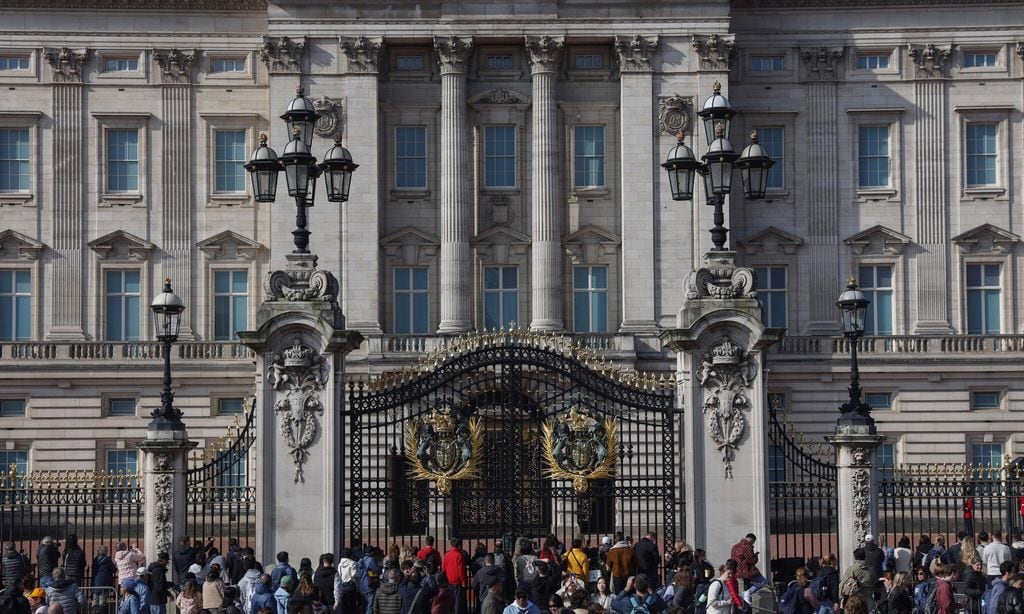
[719, 600]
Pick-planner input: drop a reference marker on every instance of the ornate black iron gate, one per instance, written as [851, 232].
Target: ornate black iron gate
[505, 388]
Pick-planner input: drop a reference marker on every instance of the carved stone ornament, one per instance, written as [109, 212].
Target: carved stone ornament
[544, 53]
[175, 65]
[283, 54]
[328, 119]
[715, 52]
[502, 96]
[66, 64]
[443, 446]
[821, 62]
[674, 114]
[929, 60]
[579, 446]
[364, 54]
[301, 281]
[726, 373]
[860, 482]
[720, 278]
[636, 54]
[1020, 50]
[163, 493]
[299, 374]
[453, 53]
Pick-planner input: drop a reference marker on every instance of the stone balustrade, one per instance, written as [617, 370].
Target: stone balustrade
[932, 346]
[120, 351]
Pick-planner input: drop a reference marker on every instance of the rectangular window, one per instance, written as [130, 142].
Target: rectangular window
[979, 60]
[228, 65]
[120, 64]
[777, 401]
[885, 456]
[122, 461]
[771, 292]
[15, 305]
[230, 304]
[12, 407]
[411, 157]
[767, 63]
[123, 301]
[501, 297]
[230, 407]
[123, 160]
[878, 400]
[411, 301]
[409, 62]
[876, 284]
[988, 455]
[983, 298]
[16, 459]
[873, 156]
[589, 156]
[872, 61]
[771, 138]
[500, 156]
[13, 62]
[121, 407]
[590, 299]
[232, 476]
[229, 158]
[984, 400]
[14, 160]
[499, 62]
[981, 154]
[776, 464]
[589, 61]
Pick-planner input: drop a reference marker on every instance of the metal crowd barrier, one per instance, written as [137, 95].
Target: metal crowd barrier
[100, 599]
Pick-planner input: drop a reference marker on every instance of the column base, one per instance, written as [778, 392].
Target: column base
[933, 327]
[65, 333]
[639, 327]
[454, 327]
[546, 325]
[829, 328]
[367, 329]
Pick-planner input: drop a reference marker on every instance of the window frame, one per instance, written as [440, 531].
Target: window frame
[766, 311]
[887, 185]
[971, 445]
[972, 51]
[208, 74]
[485, 72]
[118, 449]
[501, 291]
[141, 72]
[418, 74]
[21, 120]
[759, 57]
[218, 400]
[877, 56]
[890, 404]
[27, 160]
[6, 400]
[244, 256]
[999, 116]
[986, 155]
[600, 73]
[780, 160]
[143, 320]
[873, 288]
[973, 393]
[108, 406]
[215, 145]
[411, 291]
[603, 157]
[426, 159]
[13, 271]
[514, 129]
[5, 467]
[216, 122]
[26, 55]
[863, 117]
[230, 271]
[591, 292]
[967, 289]
[106, 122]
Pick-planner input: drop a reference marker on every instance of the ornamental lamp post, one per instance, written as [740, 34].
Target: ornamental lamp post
[717, 165]
[855, 414]
[167, 308]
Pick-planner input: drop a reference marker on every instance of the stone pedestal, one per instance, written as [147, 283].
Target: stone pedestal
[165, 488]
[857, 485]
[721, 343]
[300, 344]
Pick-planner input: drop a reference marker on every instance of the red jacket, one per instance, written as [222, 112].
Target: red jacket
[746, 560]
[431, 555]
[944, 598]
[454, 567]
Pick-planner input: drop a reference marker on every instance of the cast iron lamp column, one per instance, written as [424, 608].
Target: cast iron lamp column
[167, 308]
[855, 413]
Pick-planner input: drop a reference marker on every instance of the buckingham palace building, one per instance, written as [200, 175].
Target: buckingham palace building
[509, 176]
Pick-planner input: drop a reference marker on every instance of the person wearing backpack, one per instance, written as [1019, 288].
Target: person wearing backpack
[859, 578]
[793, 601]
[942, 600]
[282, 569]
[368, 577]
[527, 569]
[717, 599]
[638, 598]
[1007, 569]
[825, 585]
[1012, 599]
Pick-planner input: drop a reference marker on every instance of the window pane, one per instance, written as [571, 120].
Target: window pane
[599, 312]
[6, 318]
[131, 281]
[411, 157]
[992, 324]
[778, 309]
[510, 308]
[419, 279]
[403, 313]
[402, 279]
[12, 407]
[14, 159]
[221, 281]
[113, 282]
[510, 277]
[975, 324]
[229, 407]
[239, 314]
[115, 330]
[985, 400]
[884, 311]
[974, 275]
[581, 312]
[131, 318]
[420, 313]
[229, 157]
[589, 156]
[599, 277]
[221, 318]
[492, 310]
[878, 400]
[778, 277]
[492, 278]
[122, 407]
[23, 317]
[883, 276]
[991, 274]
[23, 282]
[579, 277]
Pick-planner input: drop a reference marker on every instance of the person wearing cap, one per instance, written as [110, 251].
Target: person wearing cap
[47, 558]
[282, 595]
[521, 605]
[142, 589]
[130, 603]
[873, 555]
[37, 600]
[193, 573]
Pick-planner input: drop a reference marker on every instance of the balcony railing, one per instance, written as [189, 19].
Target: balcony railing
[121, 350]
[937, 345]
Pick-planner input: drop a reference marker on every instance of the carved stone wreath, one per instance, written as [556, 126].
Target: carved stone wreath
[726, 373]
[674, 115]
[299, 374]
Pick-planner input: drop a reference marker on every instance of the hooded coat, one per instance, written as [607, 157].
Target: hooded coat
[324, 580]
[128, 561]
[103, 571]
[66, 593]
[262, 597]
[13, 567]
[247, 588]
[130, 603]
[282, 597]
[389, 600]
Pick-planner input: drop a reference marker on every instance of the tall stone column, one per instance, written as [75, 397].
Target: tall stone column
[165, 489]
[456, 270]
[178, 178]
[721, 345]
[545, 54]
[931, 262]
[857, 486]
[69, 202]
[361, 260]
[637, 124]
[820, 64]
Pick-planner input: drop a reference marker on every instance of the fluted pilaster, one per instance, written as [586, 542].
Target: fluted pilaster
[453, 56]
[823, 212]
[177, 211]
[544, 54]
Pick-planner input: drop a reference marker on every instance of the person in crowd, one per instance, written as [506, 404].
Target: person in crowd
[648, 558]
[429, 554]
[74, 560]
[143, 589]
[555, 603]
[746, 562]
[159, 584]
[36, 601]
[14, 600]
[493, 602]
[247, 584]
[719, 600]
[128, 559]
[944, 595]
[130, 602]
[12, 568]
[1012, 599]
[393, 559]
[549, 550]
[900, 600]
[1007, 571]
[829, 581]
[487, 576]
[190, 599]
[864, 577]
[545, 585]
[282, 595]
[923, 586]
[368, 577]
[444, 601]
[305, 566]
[578, 602]
[937, 551]
[47, 558]
[570, 584]
[855, 604]
[389, 600]
[873, 555]
[283, 569]
[526, 567]
[213, 592]
[66, 592]
[924, 546]
[479, 554]
[681, 556]
[703, 571]
[263, 595]
[995, 554]
[974, 584]
[417, 591]
[456, 567]
[954, 553]
[1017, 546]
[577, 562]
[968, 550]
[621, 563]
[684, 590]
[802, 582]
[521, 604]
[326, 580]
[602, 595]
[904, 556]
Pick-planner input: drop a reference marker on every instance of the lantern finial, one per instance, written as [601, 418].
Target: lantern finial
[299, 90]
[718, 87]
[337, 137]
[851, 281]
[753, 136]
[263, 139]
[680, 135]
[720, 129]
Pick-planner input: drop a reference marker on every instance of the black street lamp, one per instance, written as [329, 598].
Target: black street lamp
[855, 414]
[300, 168]
[167, 308]
[718, 164]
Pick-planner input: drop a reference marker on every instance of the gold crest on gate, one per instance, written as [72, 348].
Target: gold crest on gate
[444, 446]
[579, 446]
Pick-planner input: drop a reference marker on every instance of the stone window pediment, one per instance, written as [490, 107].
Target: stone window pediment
[500, 96]
[229, 245]
[121, 245]
[499, 243]
[13, 244]
[590, 243]
[986, 238]
[878, 240]
[410, 246]
[771, 240]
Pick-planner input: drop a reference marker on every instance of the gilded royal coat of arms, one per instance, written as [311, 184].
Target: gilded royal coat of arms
[444, 446]
[578, 446]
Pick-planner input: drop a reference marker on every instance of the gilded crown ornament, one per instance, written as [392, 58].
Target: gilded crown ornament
[579, 446]
[443, 446]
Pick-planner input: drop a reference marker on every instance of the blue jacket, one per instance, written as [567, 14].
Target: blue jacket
[998, 588]
[130, 604]
[103, 571]
[623, 603]
[367, 565]
[263, 597]
[282, 597]
[143, 592]
[279, 571]
[427, 589]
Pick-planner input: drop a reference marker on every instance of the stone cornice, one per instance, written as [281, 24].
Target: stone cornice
[140, 5]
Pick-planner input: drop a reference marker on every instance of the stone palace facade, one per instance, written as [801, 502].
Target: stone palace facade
[509, 175]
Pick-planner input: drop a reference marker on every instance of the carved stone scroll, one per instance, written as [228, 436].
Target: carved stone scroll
[328, 116]
[929, 61]
[453, 53]
[164, 504]
[821, 62]
[364, 54]
[544, 53]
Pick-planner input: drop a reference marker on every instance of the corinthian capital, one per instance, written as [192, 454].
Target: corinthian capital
[66, 64]
[363, 54]
[283, 54]
[929, 60]
[821, 61]
[175, 65]
[453, 53]
[544, 53]
[636, 53]
[715, 52]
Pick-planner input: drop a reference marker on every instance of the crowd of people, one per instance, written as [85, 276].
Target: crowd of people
[979, 574]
